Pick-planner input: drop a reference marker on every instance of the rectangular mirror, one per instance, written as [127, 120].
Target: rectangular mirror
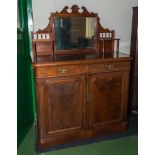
[74, 33]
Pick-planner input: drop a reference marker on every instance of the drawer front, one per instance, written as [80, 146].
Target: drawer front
[53, 71]
[108, 67]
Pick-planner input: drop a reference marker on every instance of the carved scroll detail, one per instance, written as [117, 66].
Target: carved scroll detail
[64, 10]
[85, 11]
[48, 29]
[74, 10]
[102, 28]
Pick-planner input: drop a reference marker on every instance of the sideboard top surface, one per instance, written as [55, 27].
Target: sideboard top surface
[82, 59]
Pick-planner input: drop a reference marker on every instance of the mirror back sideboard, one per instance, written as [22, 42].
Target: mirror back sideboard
[81, 80]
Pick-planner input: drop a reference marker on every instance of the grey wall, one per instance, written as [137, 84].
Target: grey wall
[114, 14]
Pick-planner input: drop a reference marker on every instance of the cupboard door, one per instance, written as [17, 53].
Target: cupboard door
[63, 105]
[106, 92]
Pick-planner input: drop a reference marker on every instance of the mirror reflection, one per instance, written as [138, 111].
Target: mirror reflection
[74, 33]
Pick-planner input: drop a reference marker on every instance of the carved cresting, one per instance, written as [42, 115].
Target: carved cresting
[74, 10]
[64, 10]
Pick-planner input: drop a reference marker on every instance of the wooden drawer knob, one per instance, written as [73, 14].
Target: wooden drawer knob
[63, 70]
[109, 67]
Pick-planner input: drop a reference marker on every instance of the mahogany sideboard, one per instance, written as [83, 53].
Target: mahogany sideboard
[81, 92]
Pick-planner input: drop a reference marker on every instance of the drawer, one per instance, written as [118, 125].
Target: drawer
[108, 67]
[53, 71]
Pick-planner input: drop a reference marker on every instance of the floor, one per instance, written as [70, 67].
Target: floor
[117, 144]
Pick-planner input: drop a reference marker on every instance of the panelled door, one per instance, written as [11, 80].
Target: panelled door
[106, 98]
[61, 105]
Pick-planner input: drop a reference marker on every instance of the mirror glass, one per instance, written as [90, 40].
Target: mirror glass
[74, 33]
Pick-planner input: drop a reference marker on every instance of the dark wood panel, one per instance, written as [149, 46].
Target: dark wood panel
[134, 64]
[65, 104]
[134, 33]
[106, 45]
[62, 105]
[42, 48]
[106, 90]
[134, 93]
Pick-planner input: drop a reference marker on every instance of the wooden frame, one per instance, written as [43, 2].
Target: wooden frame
[44, 46]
